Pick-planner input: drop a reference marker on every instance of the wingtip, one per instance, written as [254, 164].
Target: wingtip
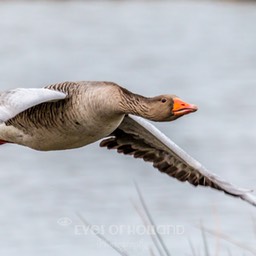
[250, 198]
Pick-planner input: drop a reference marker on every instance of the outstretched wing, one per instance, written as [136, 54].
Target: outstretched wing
[16, 101]
[135, 136]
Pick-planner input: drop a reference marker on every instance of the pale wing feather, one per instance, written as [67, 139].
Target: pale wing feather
[15, 101]
[136, 136]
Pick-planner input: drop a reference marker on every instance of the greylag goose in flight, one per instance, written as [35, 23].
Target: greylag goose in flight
[74, 114]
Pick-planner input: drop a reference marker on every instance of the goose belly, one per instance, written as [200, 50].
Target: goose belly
[60, 141]
[58, 138]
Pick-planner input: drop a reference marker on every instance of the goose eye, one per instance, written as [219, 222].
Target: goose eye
[163, 100]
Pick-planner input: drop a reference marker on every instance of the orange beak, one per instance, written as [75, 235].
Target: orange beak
[181, 108]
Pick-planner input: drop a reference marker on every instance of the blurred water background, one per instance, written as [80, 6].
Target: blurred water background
[202, 51]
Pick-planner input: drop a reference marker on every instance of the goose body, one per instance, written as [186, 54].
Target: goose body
[75, 120]
[73, 114]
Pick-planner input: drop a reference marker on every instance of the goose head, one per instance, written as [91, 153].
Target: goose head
[168, 108]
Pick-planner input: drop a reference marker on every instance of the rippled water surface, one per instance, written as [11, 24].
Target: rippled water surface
[203, 52]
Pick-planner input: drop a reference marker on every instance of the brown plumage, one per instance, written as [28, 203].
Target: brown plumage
[73, 114]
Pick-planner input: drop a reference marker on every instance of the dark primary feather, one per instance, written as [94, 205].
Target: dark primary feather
[132, 138]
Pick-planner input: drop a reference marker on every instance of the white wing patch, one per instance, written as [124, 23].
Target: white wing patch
[16, 101]
[179, 152]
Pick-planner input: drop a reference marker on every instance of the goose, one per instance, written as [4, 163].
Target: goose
[74, 114]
